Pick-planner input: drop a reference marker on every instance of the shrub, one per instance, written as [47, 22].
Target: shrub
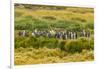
[49, 43]
[87, 43]
[61, 44]
[80, 44]
[92, 43]
[73, 46]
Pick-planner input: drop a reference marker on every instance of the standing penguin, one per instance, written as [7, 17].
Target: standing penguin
[24, 32]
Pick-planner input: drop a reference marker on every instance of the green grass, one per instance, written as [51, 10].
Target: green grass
[69, 18]
[75, 45]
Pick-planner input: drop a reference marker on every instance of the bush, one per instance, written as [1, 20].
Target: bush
[80, 44]
[35, 42]
[76, 45]
[73, 46]
[92, 43]
[49, 43]
[87, 43]
[61, 44]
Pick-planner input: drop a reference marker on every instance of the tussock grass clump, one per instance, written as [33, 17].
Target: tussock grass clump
[73, 46]
[80, 44]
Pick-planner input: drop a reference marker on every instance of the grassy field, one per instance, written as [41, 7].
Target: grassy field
[46, 55]
[33, 50]
[69, 18]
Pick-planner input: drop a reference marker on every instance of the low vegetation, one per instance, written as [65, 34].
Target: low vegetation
[45, 55]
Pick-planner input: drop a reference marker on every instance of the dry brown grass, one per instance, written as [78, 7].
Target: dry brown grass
[45, 55]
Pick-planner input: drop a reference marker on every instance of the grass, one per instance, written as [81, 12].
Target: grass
[73, 45]
[68, 18]
[42, 51]
[24, 56]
